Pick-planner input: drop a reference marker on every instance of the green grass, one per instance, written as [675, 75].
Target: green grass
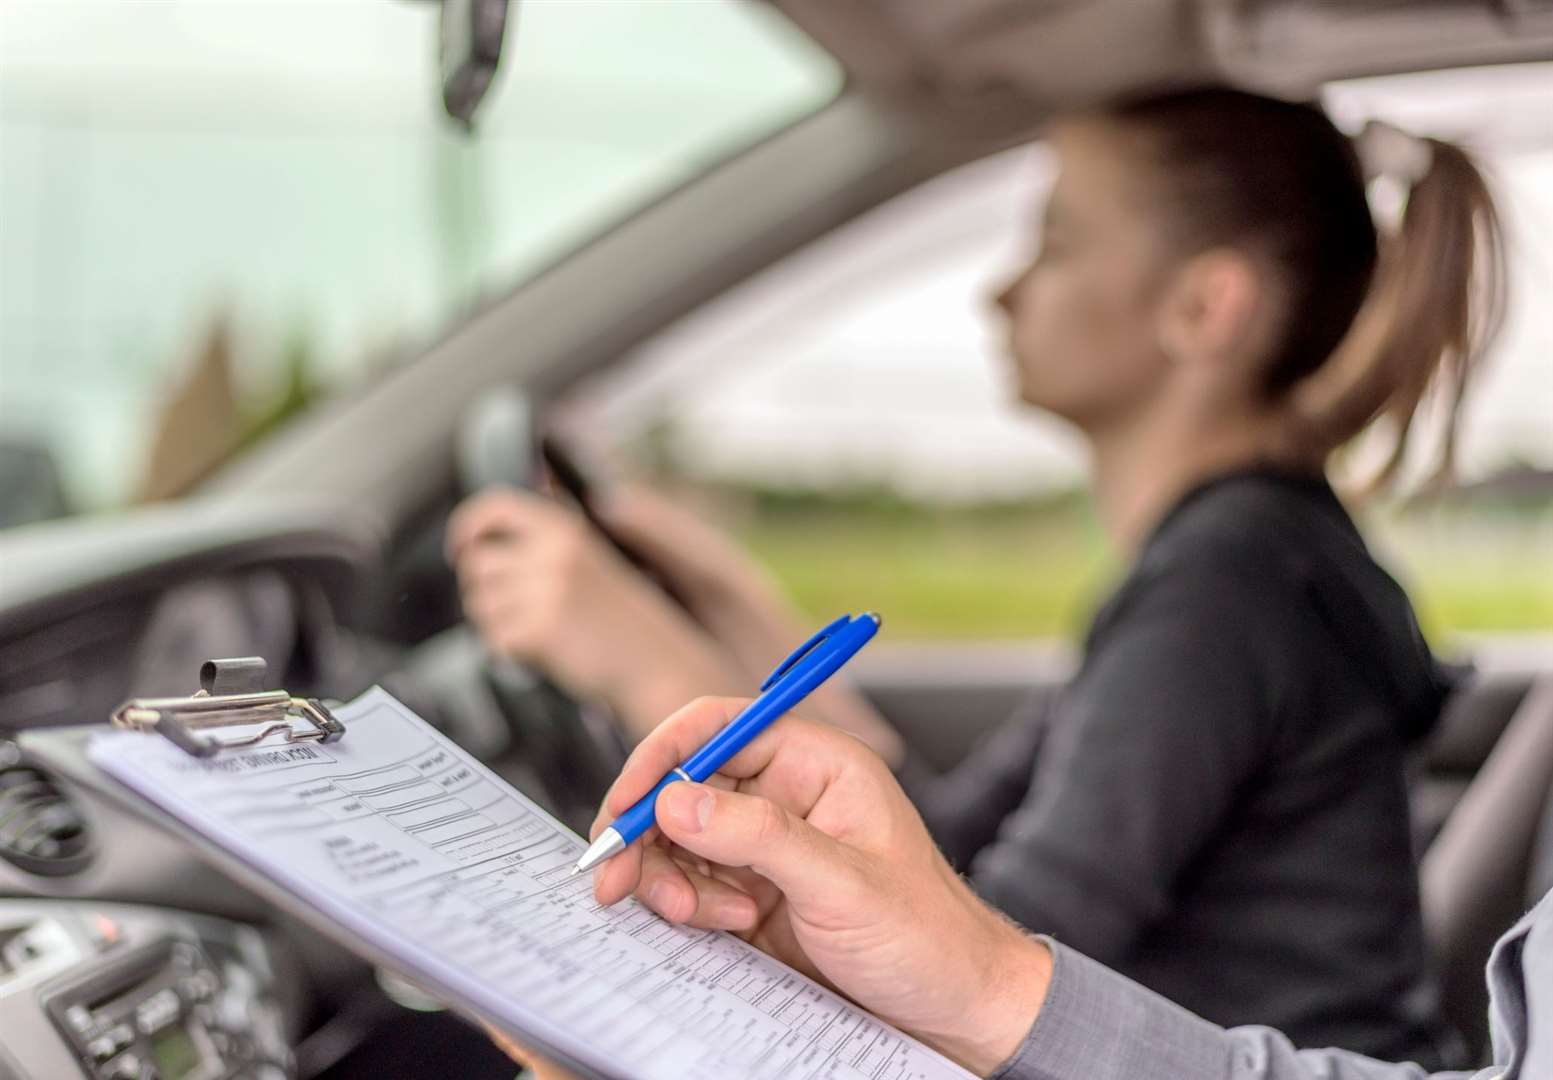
[1038, 570]
[1485, 575]
[937, 580]
[1518, 601]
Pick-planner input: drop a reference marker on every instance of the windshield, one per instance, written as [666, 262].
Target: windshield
[212, 214]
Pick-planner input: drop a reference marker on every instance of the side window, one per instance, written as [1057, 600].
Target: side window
[849, 412]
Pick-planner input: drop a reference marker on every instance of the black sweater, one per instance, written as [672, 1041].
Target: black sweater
[1215, 805]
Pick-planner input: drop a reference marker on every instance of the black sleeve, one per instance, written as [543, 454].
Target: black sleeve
[964, 806]
[1170, 715]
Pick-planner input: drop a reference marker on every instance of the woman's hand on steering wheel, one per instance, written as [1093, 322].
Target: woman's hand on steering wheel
[542, 587]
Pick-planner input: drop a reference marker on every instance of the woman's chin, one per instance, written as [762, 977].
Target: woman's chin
[1033, 395]
[1027, 399]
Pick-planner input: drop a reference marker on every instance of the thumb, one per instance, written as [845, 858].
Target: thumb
[734, 829]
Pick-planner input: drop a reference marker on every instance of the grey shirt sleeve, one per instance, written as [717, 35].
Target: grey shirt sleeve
[1098, 1025]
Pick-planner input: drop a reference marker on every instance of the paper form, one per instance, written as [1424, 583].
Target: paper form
[405, 839]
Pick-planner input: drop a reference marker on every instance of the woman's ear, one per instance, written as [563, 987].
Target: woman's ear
[1214, 311]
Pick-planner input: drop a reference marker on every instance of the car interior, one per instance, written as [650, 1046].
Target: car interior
[327, 560]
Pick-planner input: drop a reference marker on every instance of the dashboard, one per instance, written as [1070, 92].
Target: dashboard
[122, 955]
[116, 992]
[78, 598]
[94, 611]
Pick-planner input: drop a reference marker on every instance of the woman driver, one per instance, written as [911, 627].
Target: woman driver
[1215, 806]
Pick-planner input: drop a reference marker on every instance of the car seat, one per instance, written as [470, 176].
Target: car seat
[1474, 875]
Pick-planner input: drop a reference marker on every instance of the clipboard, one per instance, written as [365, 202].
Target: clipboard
[744, 994]
[231, 695]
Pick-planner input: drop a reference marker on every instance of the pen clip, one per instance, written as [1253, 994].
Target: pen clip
[803, 650]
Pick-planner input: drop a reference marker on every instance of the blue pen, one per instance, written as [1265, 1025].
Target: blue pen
[811, 664]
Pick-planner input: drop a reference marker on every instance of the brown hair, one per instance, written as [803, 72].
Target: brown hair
[1372, 321]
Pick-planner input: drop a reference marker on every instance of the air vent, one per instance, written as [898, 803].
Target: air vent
[41, 830]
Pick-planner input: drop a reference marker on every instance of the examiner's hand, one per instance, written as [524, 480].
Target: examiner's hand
[541, 586]
[805, 845]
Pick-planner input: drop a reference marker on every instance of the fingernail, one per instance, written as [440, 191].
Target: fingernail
[687, 806]
[657, 893]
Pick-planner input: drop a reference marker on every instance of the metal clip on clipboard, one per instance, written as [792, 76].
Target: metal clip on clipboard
[230, 695]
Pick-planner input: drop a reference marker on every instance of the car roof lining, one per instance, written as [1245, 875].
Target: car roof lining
[930, 57]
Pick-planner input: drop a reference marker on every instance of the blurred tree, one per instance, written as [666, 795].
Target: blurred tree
[204, 422]
[298, 392]
[198, 427]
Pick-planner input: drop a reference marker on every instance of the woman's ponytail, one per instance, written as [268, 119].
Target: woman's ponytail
[1435, 305]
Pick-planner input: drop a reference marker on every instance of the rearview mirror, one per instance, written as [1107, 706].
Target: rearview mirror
[472, 35]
